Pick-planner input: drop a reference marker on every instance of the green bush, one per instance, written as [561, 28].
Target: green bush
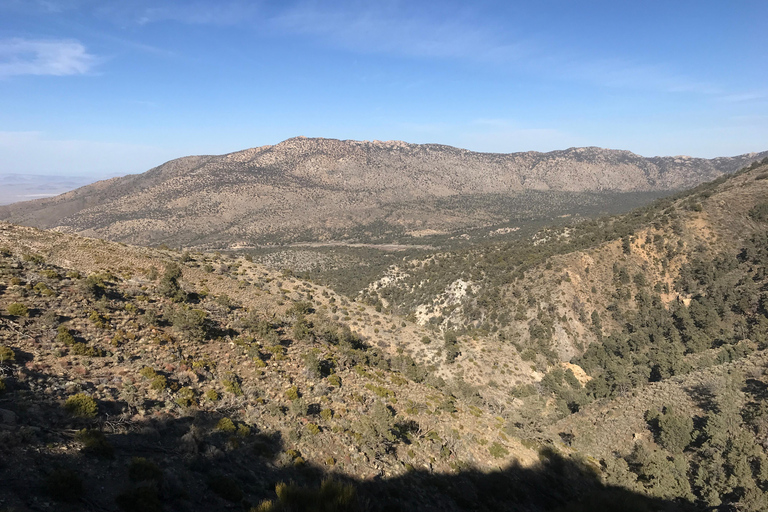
[232, 386]
[498, 451]
[185, 397]
[43, 289]
[334, 380]
[675, 430]
[189, 321]
[159, 383]
[292, 393]
[99, 320]
[226, 425]
[6, 354]
[81, 349]
[332, 496]
[64, 336]
[81, 405]
[17, 309]
[148, 372]
[169, 285]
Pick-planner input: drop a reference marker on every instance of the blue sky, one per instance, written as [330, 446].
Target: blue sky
[100, 87]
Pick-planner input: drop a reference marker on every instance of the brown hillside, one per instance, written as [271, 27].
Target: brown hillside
[309, 189]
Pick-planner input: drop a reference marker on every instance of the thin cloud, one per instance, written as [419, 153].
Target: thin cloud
[222, 13]
[620, 73]
[745, 97]
[44, 57]
[384, 28]
[379, 29]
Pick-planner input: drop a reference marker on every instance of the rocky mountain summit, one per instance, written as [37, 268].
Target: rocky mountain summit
[307, 189]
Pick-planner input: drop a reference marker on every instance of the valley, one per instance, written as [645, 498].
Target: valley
[576, 361]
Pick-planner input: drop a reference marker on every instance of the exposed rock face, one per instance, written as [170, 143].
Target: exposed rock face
[324, 185]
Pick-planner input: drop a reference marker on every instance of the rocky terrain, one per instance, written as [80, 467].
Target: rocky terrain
[137, 379]
[324, 189]
[614, 363]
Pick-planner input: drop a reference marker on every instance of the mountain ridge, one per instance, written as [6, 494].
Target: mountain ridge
[321, 189]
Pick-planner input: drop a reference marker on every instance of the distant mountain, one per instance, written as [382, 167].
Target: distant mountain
[25, 187]
[320, 189]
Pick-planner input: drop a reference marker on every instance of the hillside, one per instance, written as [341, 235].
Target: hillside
[611, 363]
[324, 189]
[137, 379]
[616, 330]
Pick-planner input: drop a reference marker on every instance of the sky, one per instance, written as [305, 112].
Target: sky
[105, 88]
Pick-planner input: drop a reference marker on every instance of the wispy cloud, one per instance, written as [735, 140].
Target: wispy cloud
[745, 97]
[623, 73]
[44, 57]
[382, 27]
[197, 12]
[386, 27]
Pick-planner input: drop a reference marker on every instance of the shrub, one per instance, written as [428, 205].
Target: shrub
[95, 442]
[759, 212]
[212, 395]
[332, 496]
[148, 372]
[498, 451]
[81, 349]
[226, 425]
[159, 383]
[169, 284]
[43, 289]
[6, 354]
[676, 430]
[190, 322]
[326, 414]
[277, 351]
[313, 429]
[185, 397]
[17, 309]
[81, 405]
[232, 386]
[292, 393]
[226, 487]
[143, 470]
[64, 336]
[64, 485]
[50, 274]
[99, 320]
[334, 380]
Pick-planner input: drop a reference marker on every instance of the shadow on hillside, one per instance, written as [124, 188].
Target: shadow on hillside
[202, 468]
[703, 396]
